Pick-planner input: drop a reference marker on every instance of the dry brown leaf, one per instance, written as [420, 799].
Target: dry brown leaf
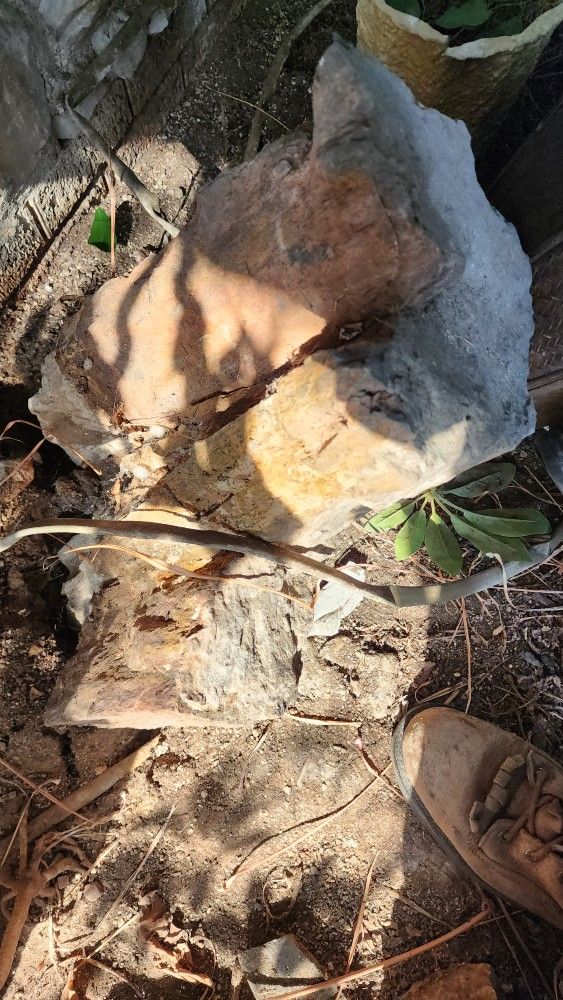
[173, 960]
[72, 990]
[69, 993]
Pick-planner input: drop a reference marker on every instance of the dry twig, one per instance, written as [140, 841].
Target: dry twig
[469, 655]
[40, 790]
[176, 570]
[249, 104]
[523, 944]
[386, 963]
[359, 922]
[274, 71]
[120, 976]
[313, 825]
[151, 848]
[514, 954]
[320, 720]
[31, 881]
[415, 906]
[112, 207]
[85, 794]
[52, 439]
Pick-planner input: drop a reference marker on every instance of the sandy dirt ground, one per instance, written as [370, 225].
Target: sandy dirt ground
[236, 789]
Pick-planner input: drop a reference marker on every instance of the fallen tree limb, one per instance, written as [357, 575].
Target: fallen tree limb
[86, 793]
[273, 74]
[251, 545]
[146, 198]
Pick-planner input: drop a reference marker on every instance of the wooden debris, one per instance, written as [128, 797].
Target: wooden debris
[32, 880]
[82, 796]
[273, 74]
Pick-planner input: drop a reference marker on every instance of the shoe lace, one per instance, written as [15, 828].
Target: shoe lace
[527, 818]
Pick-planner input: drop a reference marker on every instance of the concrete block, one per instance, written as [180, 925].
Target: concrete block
[20, 243]
[279, 967]
[162, 51]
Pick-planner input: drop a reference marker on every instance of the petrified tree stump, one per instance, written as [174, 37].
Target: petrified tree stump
[380, 213]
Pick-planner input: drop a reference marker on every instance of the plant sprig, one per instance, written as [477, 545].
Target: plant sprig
[495, 531]
[483, 18]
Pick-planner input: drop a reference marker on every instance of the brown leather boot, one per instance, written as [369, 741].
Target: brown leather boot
[493, 804]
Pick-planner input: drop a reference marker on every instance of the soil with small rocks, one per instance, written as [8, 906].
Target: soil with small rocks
[234, 790]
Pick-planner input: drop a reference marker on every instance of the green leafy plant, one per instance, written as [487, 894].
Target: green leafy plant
[100, 230]
[471, 19]
[496, 530]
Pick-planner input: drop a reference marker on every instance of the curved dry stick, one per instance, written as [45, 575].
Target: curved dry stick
[147, 198]
[385, 963]
[251, 545]
[273, 73]
[86, 793]
[30, 883]
[24, 896]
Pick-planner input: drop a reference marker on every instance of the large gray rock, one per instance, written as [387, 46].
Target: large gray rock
[358, 426]
[24, 108]
[460, 362]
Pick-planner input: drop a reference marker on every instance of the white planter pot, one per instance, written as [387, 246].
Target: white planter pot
[477, 81]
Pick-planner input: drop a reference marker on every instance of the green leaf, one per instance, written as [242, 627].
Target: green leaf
[492, 477]
[442, 546]
[470, 14]
[100, 230]
[406, 6]
[509, 522]
[391, 517]
[411, 535]
[508, 550]
[513, 26]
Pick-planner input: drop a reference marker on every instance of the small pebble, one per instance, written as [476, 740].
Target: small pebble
[92, 892]
[15, 579]
[34, 650]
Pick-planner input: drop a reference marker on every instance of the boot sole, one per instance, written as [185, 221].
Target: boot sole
[440, 839]
[417, 805]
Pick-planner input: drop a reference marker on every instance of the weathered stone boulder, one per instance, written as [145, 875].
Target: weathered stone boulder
[308, 237]
[183, 652]
[347, 428]
[23, 103]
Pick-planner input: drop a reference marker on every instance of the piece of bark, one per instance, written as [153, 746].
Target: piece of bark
[158, 651]
[472, 982]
